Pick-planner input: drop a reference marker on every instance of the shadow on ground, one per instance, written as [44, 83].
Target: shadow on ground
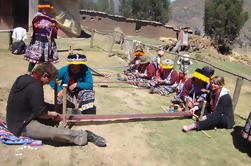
[240, 143]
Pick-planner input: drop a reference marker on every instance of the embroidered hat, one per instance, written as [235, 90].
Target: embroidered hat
[76, 59]
[139, 53]
[185, 57]
[144, 60]
[44, 4]
[167, 64]
[202, 75]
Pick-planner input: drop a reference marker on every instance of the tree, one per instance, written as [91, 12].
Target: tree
[223, 21]
[154, 10]
[106, 6]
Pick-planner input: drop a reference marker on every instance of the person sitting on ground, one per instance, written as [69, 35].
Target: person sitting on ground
[208, 88]
[134, 63]
[78, 78]
[28, 114]
[146, 72]
[219, 112]
[168, 78]
[42, 47]
[157, 59]
[192, 89]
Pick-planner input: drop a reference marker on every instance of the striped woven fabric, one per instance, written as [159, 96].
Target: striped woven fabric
[8, 138]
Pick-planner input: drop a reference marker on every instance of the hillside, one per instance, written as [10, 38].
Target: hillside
[187, 14]
[190, 13]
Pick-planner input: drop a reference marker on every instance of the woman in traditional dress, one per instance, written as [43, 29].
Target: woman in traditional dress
[42, 47]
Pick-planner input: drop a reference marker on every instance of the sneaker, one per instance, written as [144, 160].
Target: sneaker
[97, 140]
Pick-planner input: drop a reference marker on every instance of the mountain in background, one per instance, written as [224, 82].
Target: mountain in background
[191, 12]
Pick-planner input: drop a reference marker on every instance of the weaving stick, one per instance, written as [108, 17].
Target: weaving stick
[64, 102]
[55, 96]
[203, 109]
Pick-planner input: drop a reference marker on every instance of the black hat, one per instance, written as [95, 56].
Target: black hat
[209, 70]
[202, 75]
[76, 59]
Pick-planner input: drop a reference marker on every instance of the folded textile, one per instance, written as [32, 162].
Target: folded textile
[8, 138]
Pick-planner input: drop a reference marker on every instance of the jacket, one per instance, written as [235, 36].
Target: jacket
[25, 103]
[84, 80]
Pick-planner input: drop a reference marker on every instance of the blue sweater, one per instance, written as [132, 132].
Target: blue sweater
[84, 80]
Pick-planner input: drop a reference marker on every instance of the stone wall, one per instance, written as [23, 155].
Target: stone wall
[106, 23]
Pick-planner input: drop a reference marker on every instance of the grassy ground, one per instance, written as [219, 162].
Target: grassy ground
[153, 142]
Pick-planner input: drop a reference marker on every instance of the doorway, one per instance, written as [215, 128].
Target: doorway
[20, 13]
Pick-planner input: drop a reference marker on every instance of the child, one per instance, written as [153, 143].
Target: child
[157, 59]
[184, 62]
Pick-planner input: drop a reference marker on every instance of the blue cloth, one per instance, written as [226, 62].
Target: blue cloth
[84, 80]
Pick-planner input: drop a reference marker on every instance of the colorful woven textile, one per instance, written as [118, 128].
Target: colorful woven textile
[8, 138]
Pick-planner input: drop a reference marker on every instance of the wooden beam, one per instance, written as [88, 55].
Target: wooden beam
[92, 38]
[32, 11]
[112, 44]
[237, 91]
[76, 118]
[203, 109]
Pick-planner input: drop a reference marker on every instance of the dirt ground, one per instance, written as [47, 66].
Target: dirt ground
[124, 140]
[147, 143]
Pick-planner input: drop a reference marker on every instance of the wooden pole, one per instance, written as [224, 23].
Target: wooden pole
[203, 109]
[10, 39]
[92, 37]
[64, 103]
[112, 43]
[176, 59]
[55, 96]
[122, 39]
[134, 46]
[186, 104]
[237, 91]
[32, 11]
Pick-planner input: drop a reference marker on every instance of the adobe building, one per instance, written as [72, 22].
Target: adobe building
[106, 23]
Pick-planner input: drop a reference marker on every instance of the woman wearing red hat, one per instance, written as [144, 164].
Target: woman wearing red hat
[135, 62]
[42, 47]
